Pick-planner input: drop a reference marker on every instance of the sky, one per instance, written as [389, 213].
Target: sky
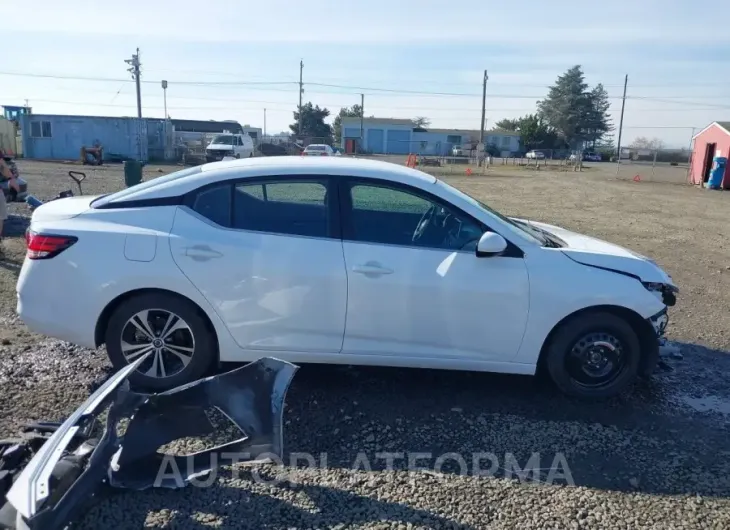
[232, 60]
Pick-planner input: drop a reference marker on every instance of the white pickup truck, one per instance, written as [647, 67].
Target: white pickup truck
[229, 145]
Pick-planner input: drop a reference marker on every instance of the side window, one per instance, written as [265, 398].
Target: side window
[215, 204]
[396, 217]
[239, 140]
[286, 207]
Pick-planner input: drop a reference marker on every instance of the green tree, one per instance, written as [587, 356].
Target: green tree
[312, 119]
[345, 112]
[606, 145]
[598, 122]
[535, 133]
[568, 107]
[507, 124]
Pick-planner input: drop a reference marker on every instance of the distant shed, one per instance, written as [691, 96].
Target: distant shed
[712, 141]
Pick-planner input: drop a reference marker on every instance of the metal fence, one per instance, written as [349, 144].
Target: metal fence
[655, 165]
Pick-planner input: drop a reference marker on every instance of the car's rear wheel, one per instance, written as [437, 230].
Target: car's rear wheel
[594, 355]
[170, 331]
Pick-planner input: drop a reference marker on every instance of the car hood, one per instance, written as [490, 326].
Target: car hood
[220, 147]
[598, 253]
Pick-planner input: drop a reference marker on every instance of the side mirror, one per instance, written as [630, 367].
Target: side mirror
[490, 245]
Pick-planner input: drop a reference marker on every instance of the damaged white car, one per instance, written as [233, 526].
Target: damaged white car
[336, 260]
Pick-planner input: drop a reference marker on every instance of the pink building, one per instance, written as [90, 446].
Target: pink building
[712, 141]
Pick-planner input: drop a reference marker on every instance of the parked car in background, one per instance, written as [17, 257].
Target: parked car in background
[537, 155]
[235, 145]
[318, 150]
[336, 260]
[587, 157]
[458, 150]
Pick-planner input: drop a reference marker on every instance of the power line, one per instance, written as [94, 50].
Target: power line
[359, 89]
[288, 106]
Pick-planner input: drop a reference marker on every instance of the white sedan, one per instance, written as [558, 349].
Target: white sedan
[536, 155]
[318, 150]
[336, 260]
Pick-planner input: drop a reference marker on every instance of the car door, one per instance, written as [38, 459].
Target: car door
[428, 295]
[268, 257]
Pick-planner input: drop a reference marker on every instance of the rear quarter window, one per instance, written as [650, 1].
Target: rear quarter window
[144, 185]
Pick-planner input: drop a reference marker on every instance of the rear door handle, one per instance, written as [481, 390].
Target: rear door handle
[372, 269]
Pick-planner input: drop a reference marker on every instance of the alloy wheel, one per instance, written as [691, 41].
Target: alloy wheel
[162, 333]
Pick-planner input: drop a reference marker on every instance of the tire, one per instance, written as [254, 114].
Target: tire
[575, 346]
[192, 336]
[238, 155]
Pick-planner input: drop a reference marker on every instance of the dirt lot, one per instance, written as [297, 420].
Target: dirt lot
[655, 458]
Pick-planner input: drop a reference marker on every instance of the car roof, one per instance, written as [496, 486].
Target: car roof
[189, 179]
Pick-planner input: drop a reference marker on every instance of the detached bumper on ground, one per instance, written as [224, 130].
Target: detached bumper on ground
[75, 463]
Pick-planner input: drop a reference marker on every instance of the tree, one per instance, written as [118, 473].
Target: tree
[535, 133]
[575, 113]
[606, 145]
[507, 124]
[345, 112]
[598, 122]
[313, 125]
[641, 142]
[421, 122]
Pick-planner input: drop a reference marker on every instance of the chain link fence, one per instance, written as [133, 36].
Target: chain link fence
[669, 166]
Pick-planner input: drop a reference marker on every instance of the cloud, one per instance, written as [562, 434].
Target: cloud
[378, 22]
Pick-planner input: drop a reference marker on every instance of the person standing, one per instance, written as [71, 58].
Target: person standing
[8, 173]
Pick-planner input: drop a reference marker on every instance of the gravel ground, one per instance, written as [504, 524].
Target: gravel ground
[655, 458]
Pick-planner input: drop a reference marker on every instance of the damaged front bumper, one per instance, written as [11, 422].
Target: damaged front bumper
[659, 322]
[68, 466]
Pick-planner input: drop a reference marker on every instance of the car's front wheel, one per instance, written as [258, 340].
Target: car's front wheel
[594, 355]
[170, 331]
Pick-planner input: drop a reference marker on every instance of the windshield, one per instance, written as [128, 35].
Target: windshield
[531, 232]
[227, 139]
[104, 199]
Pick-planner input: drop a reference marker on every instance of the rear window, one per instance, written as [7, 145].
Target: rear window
[121, 195]
[315, 148]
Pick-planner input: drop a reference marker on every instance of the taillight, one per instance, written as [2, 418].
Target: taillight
[46, 246]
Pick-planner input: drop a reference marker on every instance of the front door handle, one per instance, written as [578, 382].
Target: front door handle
[372, 269]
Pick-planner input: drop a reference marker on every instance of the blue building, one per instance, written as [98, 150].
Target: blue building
[394, 136]
[59, 137]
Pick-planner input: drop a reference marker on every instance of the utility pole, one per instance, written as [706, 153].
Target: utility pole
[134, 69]
[621, 126]
[362, 119]
[484, 116]
[264, 122]
[301, 91]
[164, 96]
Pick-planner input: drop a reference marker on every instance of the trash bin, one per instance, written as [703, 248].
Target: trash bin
[717, 173]
[132, 172]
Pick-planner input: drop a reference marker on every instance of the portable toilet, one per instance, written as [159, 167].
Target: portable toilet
[717, 173]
